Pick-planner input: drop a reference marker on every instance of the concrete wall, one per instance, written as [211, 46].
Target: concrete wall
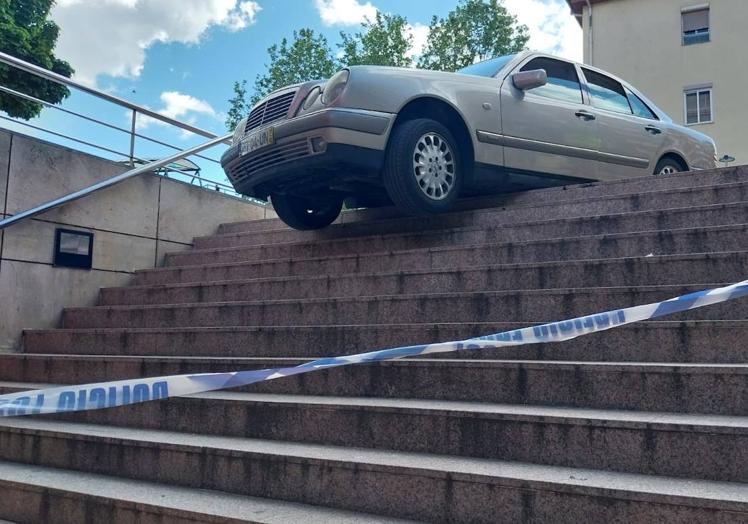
[640, 40]
[134, 225]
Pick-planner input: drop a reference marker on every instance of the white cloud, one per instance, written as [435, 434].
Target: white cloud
[178, 106]
[552, 28]
[420, 34]
[243, 16]
[111, 36]
[345, 12]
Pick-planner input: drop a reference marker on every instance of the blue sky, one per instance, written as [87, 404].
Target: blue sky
[181, 57]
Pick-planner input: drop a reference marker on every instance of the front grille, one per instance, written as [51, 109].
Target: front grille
[270, 110]
[272, 157]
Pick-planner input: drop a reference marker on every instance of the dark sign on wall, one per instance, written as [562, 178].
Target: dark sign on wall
[73, 248]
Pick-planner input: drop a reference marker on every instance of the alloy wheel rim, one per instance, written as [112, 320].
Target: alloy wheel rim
[434, 166]
[668, 170]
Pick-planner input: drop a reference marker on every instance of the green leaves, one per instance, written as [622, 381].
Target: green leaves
[26, 33]
[385, 41]
[306, 57]
[474, 31]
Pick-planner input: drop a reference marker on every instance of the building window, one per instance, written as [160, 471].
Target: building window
[695, 24]
[698, 103]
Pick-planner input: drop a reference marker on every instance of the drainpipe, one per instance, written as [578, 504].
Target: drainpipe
[589, 31]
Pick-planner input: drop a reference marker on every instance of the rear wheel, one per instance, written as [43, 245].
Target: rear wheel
[668, 166]
[305, 213]
[423, 168]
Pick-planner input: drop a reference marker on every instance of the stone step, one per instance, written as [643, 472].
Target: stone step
[491, 306]
[705, 447]
[656, 341]
[479, 251]
[719, 389]
[532, 197]
[585, 206]
[33, 494]
[660, 270]
[398, 484]
[609, 225]
[424, 238]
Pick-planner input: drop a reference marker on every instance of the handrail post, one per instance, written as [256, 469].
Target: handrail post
[132, 138]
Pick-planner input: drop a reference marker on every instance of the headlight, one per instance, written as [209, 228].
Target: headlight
[239, 130]
[334, 86]
[311, 98]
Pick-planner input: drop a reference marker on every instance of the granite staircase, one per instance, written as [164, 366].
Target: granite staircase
[643, 423]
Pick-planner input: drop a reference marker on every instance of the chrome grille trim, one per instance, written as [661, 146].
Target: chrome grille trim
[273, 156]
[270, 110]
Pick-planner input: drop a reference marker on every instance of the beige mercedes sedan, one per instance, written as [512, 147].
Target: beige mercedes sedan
[421, 139]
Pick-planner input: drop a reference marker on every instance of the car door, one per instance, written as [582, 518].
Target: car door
[630, 133]
[549, 129]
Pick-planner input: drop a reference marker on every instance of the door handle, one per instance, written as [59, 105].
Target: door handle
[653, 130]
[585, 115]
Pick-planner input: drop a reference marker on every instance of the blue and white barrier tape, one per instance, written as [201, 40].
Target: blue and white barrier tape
[122, 392]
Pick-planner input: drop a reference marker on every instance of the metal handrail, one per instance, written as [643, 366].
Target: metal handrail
[110, 182]
[72, 139]
[54, 77]
[90, 119]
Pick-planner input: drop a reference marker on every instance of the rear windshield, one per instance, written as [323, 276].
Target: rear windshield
[487, 68]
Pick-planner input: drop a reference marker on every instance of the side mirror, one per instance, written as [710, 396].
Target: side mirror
[525, 80]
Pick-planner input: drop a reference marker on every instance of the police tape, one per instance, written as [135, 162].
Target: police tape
[124, 392]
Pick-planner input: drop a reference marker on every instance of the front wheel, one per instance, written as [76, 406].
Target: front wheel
[305, 213]
[423, 171]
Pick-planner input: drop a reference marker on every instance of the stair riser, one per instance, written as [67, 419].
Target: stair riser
[409, 493]
[678, 451]
[30, 504]
[494, 218]
[480, 250]
[721, 391]
[479, 307]
[653, 344]
[604, 274]
[535, 198]
[604, 225]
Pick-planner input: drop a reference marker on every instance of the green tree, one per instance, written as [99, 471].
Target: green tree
[475, 30]
[240, 106]
[306, 57]
[26, 33]
[384, 41]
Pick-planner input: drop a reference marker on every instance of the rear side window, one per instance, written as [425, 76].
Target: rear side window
[640, 108]
[563, 82]
[607, 93]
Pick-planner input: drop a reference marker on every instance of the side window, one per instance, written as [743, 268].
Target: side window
[607, 93]
[640, 108]
[563, 82]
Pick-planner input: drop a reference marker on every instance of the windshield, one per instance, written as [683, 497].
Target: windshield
[488, 67]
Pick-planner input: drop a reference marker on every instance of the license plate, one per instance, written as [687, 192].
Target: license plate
[257, 140]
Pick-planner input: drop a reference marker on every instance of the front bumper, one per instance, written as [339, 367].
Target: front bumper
[323, 147]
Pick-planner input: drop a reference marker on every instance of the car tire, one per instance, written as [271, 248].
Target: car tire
[423, 170]
[668, 166]
[307, 213]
